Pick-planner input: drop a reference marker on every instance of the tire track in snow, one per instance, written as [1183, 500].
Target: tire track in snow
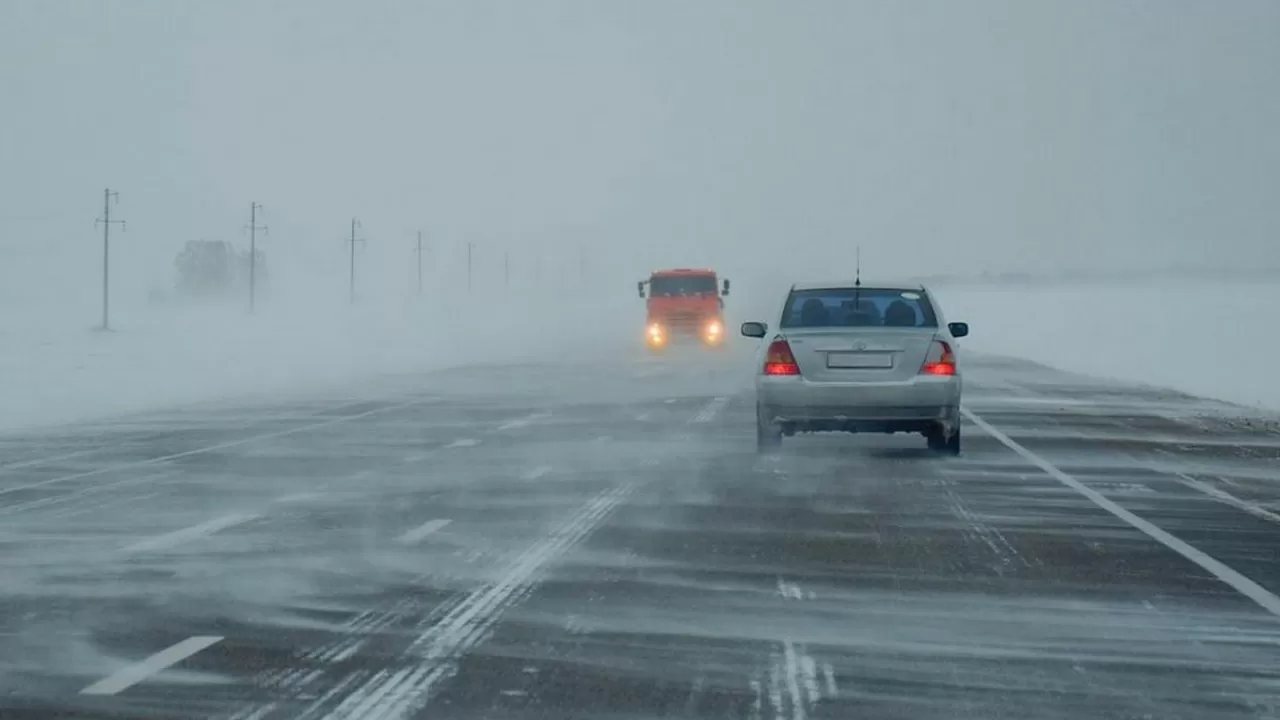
[710, 410]
[432, 656]
[978, 530]
[297, 682]
[794, 686]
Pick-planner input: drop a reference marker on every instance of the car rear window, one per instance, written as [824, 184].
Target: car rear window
[864, 307]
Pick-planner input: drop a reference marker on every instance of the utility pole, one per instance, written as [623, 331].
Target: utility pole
[354, 224]
[253, 252]
[106, 251]
[419, 262]
[469, 247]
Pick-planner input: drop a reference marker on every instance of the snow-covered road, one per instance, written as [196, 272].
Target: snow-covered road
[600, 539]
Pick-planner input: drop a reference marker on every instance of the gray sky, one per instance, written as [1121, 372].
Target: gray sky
[940, 135]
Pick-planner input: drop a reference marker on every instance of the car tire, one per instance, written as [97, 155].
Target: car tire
[935, 439]
[768, 434]
[940, 442]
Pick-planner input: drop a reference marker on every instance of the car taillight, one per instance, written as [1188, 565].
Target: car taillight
[940, 360]
[778, 360]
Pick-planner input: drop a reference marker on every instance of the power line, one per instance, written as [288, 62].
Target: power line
[106, 221]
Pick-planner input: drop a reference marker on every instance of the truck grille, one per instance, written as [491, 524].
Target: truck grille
[684, 321]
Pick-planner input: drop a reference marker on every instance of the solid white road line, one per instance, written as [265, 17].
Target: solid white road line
[91, 451]
[52, 458]
[213, 448]
[537, 472]
[138, 672]
[168, 540]
[463, 442]
[422, 531]
[91, 490]
[1218, 569]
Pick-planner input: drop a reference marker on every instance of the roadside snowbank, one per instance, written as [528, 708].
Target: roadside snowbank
[1213, 340]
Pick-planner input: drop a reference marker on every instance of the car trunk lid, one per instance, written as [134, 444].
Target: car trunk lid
[860, 354]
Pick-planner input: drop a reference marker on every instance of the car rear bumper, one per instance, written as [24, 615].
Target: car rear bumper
[917, 405]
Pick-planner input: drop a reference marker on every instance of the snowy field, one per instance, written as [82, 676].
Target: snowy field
[54, 368]
[1212, 340]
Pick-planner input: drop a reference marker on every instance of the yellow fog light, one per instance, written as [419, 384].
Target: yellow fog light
[655, 334]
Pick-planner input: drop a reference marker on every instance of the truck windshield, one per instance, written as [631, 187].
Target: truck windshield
[676, 285]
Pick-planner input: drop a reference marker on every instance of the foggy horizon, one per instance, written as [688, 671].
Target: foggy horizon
[988, 136]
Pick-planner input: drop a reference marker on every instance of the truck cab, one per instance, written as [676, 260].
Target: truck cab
[684, 305]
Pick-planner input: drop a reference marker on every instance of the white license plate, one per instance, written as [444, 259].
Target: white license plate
[859, 360]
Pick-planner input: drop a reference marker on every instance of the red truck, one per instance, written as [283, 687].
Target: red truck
[684, 304]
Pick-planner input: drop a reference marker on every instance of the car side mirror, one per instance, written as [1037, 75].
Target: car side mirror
[725, 291]
[640, 288]
[754, 329]
[958, 329]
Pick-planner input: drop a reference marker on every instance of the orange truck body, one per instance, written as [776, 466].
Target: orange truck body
[684, 303]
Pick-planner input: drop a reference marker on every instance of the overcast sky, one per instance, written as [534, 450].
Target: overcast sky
[939, 135]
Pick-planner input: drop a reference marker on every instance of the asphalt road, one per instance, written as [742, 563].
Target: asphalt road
[600, 540]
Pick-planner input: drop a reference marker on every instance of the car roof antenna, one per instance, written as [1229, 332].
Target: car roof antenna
[857, 277]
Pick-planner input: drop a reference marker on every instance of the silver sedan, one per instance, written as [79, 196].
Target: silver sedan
[851, 357]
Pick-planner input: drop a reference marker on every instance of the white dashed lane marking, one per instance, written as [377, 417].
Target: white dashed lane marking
[537, 472]
[136, 673]
[173, 539]
[422, 531]
[523, 421]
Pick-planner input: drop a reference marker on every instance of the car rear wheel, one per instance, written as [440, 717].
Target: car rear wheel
[768, 434]
[942, 443]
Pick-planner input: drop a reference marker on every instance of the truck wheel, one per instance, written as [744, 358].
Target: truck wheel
[768, 434]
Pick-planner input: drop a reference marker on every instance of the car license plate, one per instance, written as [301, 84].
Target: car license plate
[859, 360]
